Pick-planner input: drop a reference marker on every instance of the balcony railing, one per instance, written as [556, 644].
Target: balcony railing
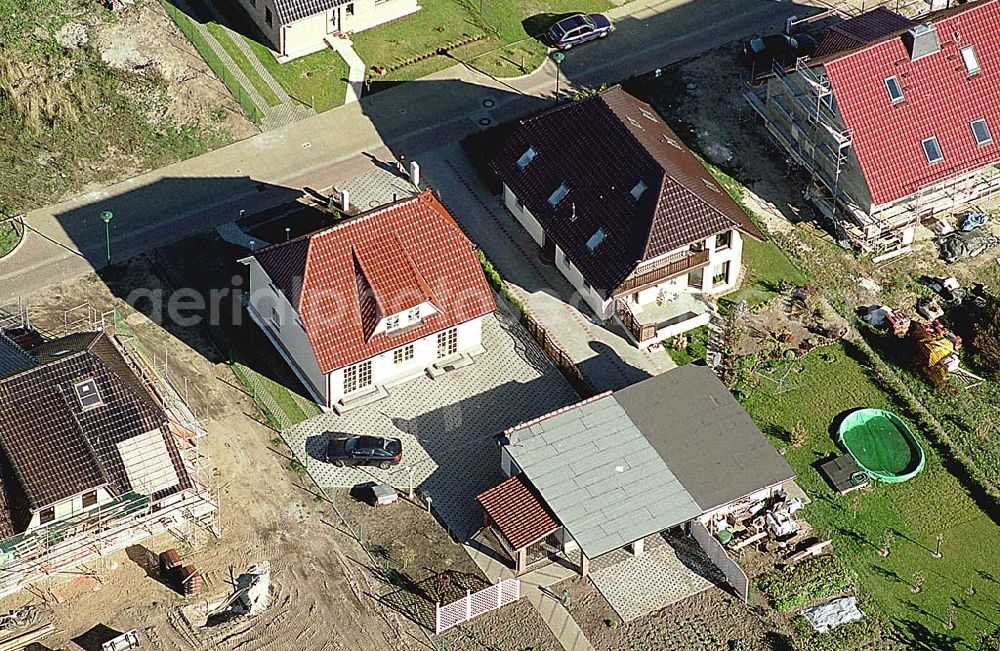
[671, 268]
[640, 332]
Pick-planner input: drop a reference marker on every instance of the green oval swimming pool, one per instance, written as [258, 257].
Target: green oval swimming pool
[882, 444]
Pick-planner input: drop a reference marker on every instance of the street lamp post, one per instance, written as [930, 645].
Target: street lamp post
[106, 217]
[558, 58]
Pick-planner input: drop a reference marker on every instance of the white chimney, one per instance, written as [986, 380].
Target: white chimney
[414, 173]
[345, 200]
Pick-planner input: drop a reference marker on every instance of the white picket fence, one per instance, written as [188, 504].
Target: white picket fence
[474, 604]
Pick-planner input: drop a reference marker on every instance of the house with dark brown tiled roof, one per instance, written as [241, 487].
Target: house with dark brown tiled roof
[894, 118]
[625, 211]
[376, 299]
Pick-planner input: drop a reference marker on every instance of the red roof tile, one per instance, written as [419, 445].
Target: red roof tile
[389, 259]
[940, 100]
[518, 512]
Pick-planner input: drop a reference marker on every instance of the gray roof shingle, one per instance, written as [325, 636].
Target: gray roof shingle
[12, 358]
[600, 477]
[654, 455]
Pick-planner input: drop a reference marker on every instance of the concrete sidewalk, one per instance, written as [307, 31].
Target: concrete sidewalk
[198, 194]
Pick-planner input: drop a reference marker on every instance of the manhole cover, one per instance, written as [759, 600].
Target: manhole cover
[485, 122]
[488, 103]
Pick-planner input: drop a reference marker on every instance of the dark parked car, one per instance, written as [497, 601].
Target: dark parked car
[363, 451]
[785, 49]
[579, 28]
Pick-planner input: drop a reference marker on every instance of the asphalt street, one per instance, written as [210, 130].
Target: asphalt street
[272, 168]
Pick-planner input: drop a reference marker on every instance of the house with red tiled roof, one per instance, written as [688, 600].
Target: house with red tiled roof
[376, 299]
[894, 119]
[625, 211]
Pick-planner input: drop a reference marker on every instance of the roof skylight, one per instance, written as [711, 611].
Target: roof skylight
[981, 131]
[970, 60]
[895, 90]
[638, 190]
[558, 195]
[87, 394]
[526, 157]
[595, 240]
[932, 150]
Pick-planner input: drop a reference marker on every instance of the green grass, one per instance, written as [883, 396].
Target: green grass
[318, 80]
[222, 36]
[695, 350]
[281, 406]
[507, 51]
[933, 502]
[10, 236]
[768, 267]
[75, 121]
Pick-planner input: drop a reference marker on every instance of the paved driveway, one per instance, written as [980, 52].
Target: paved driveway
[447, 425]
[603, 352]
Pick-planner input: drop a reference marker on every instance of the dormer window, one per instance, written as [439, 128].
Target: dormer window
[895, 90]
[87, 394]
[970, 60]
[526, 158]
[638, 190]
[413, 315]
[392, 322]
[558, 195]
[981, 132]
[595, 240]
[932, 150]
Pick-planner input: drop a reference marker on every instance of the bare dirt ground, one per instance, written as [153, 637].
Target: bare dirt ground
[710, 621]
[730, 137]
[145, 39]
[328, 592]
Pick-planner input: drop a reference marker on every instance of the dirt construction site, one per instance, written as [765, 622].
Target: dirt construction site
[331, 584]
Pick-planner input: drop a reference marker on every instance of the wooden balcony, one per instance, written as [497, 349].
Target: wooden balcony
[671, 268]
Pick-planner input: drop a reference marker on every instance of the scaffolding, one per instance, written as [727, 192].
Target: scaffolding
[62, 547]
[798, 108]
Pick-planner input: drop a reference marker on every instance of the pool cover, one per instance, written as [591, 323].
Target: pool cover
[882, 444]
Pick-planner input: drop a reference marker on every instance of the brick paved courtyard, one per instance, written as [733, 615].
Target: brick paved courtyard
[447, 425]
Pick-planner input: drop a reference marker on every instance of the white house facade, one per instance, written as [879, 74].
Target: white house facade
[632, 220]
[295, 29]
[358, 325]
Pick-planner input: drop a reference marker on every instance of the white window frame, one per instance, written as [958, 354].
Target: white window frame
[889, 83]
[986, 127]
[447, 343]
[971, 60]
[392, 322]
[728, 236]
[357, 377]
[403, 355]
[93, 495]
[413, 315]
[937, 145]
[721, 269]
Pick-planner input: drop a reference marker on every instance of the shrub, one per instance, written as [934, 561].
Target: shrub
[796, 586]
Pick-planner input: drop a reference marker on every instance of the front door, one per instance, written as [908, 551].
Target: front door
[332, 20]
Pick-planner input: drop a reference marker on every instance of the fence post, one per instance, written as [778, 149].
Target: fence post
[468, 605]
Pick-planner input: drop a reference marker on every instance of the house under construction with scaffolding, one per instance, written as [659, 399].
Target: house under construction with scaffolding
[893, 118]
[97, 452]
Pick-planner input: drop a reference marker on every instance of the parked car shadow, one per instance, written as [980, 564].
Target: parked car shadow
[316, 447]
[95, 637]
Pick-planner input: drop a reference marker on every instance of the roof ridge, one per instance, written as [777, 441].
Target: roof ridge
[556, 412]
[424, 287]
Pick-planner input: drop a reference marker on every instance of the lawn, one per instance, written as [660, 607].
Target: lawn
[282, 407]
[768, 267]
[318, 80]
[913, 513]
[69, 120]
[504, 28]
